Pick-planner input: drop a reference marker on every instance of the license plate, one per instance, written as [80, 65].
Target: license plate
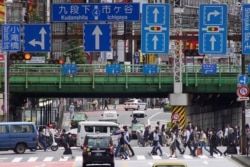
[98, 154]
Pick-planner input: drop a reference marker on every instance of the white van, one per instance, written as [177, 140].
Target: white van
[93, 127]
[110, 115]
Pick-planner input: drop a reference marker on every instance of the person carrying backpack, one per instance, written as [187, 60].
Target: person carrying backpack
[156, 143]
[146, 135]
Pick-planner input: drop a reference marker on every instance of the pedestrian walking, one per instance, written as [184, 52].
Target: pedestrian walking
[203, 141]
[213, 144]
[127, 139]
[123, 153]
[156, 143]
[71, 110]
[66, 144]
[106, 104]
[231, 147]
[173, 144]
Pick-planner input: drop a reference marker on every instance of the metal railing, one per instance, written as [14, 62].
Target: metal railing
[86, 69]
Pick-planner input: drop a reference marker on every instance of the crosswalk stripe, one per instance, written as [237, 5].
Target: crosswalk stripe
[17, 159]
[64, 159]
[140, 157]
[156, 157]
[203, 156]
[188, 157]
[137, 157]
[46, 159]
[32, 159]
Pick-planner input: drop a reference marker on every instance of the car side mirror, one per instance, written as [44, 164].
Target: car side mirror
[117, 114]
[130, 115]
[145, 115]
[102, 115]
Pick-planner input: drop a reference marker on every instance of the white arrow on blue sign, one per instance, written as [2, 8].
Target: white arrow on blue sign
[213, 29]
[243, 80]
[40, 38]
[96, 37]
[155, 28]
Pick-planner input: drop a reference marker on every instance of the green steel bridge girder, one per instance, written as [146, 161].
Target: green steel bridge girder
[37, 79]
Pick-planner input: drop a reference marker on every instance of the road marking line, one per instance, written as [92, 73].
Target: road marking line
[203, 156]
[140, 157]
[48, 159]
[17, 159]
[152, 117]
[188, 157]
[78, 158]
[156, 157]
[64, 159]
[32, 159]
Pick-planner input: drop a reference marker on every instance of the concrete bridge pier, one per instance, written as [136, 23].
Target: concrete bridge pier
[179, 102]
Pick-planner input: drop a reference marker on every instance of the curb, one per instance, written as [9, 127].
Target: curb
[242, 160]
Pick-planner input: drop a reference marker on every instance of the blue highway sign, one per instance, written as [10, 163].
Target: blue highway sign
[155, 28]
[243, 80]
[246, 29]
[69, 69]
[37, 38]
[11, 37]
[112, 69]
[149, 69]
[96, 37]
[213, 29]
[82, 12]
[208, 69]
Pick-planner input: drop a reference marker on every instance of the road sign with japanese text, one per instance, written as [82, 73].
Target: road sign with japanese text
[81, 12]
[11, 37]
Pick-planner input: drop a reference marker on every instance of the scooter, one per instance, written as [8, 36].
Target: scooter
[50, 141]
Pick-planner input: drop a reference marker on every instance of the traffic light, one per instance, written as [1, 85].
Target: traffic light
[20, 56]
[56, 61]
[191, 52]
[26, 18]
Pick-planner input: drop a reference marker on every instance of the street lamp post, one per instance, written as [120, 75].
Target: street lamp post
[6, 5]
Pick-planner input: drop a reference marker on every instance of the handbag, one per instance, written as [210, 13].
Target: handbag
[231, 149]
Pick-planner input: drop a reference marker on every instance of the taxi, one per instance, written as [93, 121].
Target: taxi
[169, 164]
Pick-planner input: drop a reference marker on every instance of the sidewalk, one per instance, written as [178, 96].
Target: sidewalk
[242, 159]
[66, 121]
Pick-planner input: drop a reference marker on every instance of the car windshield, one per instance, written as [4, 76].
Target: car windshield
[138, 126]
[98, 142]
[138, 115]
[80, 117]
[130, 101]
